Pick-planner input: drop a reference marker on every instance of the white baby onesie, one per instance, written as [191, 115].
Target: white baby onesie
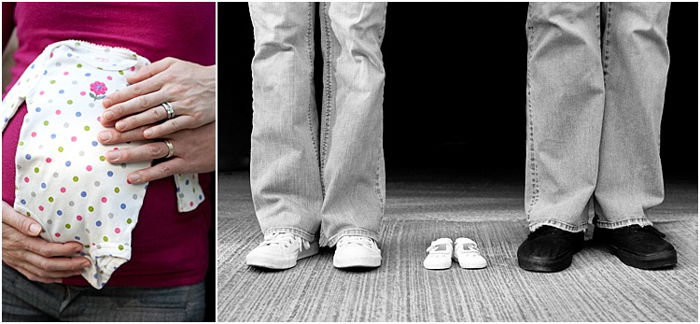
[62, 177]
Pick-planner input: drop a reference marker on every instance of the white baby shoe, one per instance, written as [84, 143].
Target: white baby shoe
[467, 254]
[439, 255]
[281, 250]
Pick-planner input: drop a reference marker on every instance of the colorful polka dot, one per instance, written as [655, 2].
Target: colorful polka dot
[75, 179]
[68, 163]
[67, 226]
[88, 168]
[122, 206]
[79, 218]
[98, 223]
[63, 189]
[129, 220]
[117, 230]
[70, 102]
[91, 209]
[83, 194]
[103, 199]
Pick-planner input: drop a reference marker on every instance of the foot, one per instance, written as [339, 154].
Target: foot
[357, 251]
[549, 249]
[639, 247]
[467, 254]
[281, 250]
[439, 255]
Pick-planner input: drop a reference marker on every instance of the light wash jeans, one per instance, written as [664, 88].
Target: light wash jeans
[24, 300]
[594, 106]
[316, 176]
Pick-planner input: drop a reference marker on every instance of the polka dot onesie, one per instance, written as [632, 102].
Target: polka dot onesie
[63, 179]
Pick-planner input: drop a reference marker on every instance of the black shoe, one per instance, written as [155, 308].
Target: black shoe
[639, 247]
[549, 249]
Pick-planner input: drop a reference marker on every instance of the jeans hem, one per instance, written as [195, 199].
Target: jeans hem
[558, 224]
[298, 232]
[352, 231]
[623, 223]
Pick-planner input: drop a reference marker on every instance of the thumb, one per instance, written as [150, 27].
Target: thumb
[22, 223]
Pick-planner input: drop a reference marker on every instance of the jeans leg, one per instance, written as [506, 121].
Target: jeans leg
[636, 60]
[24, 300]
[352, 156]
[135, 304]
[565, 100]
[284, 167]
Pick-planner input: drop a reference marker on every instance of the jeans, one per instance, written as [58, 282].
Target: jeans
[318, 176]
[594, 105]
[26, 300]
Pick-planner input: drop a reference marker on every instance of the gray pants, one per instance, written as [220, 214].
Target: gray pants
[316, 176]
[596, 83]
[25, 300]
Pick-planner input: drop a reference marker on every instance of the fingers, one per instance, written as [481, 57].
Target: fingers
[147, 117]
[151, 70]
[111, 136]
[170, 126]
[133, 106]
[48, 249]
[49, 274]
[158, 171]
[33, 277]
[57, 264]
[20, 222]
[141, 153]
[134, 90]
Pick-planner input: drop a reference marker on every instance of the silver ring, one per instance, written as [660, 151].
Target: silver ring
[168, 109]
[171, 149]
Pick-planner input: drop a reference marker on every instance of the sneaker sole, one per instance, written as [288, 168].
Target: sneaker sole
[546, 265]
[661, 261]
[358, 262]
[271, 262]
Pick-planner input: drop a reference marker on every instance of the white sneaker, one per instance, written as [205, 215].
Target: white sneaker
[281, 250]
[439, 255]
[467, 254]
[357, 251]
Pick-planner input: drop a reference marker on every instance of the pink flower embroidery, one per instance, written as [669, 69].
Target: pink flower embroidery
[97, 90]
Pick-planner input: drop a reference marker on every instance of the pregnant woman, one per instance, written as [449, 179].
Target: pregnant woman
[170, 107]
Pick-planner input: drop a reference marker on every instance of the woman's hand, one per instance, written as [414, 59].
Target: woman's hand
[35, 258]
[193, 152]
[188, 87]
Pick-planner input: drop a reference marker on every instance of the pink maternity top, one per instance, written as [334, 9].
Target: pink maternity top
[168, 248]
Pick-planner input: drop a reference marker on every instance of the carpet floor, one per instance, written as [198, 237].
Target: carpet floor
[597, 287]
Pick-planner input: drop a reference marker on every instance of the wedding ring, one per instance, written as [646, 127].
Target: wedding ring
[171, 149]
[168, 109]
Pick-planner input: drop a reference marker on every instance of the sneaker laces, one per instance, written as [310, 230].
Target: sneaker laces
[281, 238]
[357, 240]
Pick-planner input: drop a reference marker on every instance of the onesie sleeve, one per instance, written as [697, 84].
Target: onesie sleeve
[24, 85]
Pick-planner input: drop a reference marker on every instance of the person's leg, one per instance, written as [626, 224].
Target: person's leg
[352, 155]
[24, 300]
[134, 304]
[565, 100]
[284, 166]
[630, 181]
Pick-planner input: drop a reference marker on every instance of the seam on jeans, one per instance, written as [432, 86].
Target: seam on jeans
[606, 41]
[328, 95]
[532, 162]
[296, 231]
[377, 180]
[624, 222]
[559, 224]
[310, 55]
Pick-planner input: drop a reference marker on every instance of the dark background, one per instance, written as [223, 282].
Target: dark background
[454, 100]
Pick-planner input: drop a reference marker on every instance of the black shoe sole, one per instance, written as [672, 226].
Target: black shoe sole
[663, 261]
[545, 265]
